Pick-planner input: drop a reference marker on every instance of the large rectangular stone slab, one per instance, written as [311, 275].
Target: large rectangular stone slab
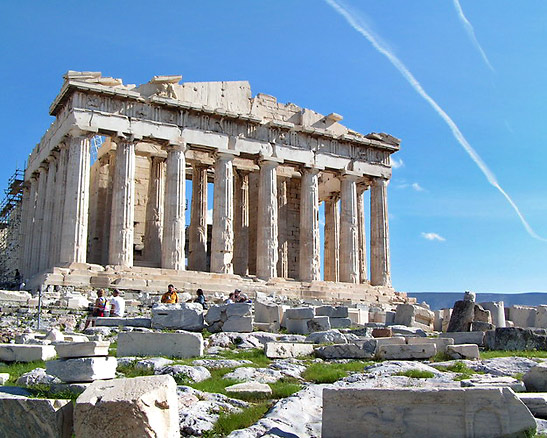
[405, 351]
[536, 402]
[85, 369]
[26, 352]
[332, 311]
[180, 344]
[241, 324]
[140, 407]
[340, 322]
[465, 337]
[23, 417]
[82, 349]
[185, 316]
[424, 413]
[283, 350]
[123, 322]
[300, 313]
[266, 312]
[362, 350]
[298, 326]
[441, 343]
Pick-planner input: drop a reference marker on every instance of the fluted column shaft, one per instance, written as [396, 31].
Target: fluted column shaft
[197, 239]
[38, 219]
[309, 226]
[28, 225]
[241, 220]
[349, 236]
[154, 213]
[362, 233]
[59, 207]
[47, 225]
[332, 239]
[123, 206]
[380, 274]
[172, 247]
[283, 241]
[76, 205]
[267, 231]
[222, 245]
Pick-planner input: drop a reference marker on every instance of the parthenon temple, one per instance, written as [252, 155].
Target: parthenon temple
[105, 195]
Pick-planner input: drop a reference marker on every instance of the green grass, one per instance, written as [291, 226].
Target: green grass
[255, 355]
[44, 391]
[113, 348]
[228, 422]
[285, 387]
[416, 374]
[131, 370]
[17, 369]
[531, 354]
[331, 372]
[216, 383]
[464, 372]
[441, 356]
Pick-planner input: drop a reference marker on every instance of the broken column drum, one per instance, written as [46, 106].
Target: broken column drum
[272, 165]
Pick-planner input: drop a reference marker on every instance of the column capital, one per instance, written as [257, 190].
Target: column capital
[226, 154]
[313, 170]
[350, 175]
[378, 180]
[176, 146]
[76, 131]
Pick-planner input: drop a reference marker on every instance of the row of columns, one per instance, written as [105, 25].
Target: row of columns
[57, 202]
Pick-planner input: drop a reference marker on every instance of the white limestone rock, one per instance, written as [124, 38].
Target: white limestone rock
[4, 377]
[282, 350]
[363, 350]
[340, 322]
[239, 309]
[54, 335]
[465, 337]
[220, 363]
[504, 366]
[82, 349]
[300, 313]
[262, 375]
[239, 324]
[182, 316]
[416, 351]
[332, 311]
[249, 389]
[86, 369]
[24, 417]
[153, 363]
[536, 378]
[441, 343]
[288, 367]
[138, 407]
[26, 353]
[180, 344]
[463, 351]
[37, 376]
[488, 413]
[327, 337]
[389, 368]
[536, 402]
[488, 381]
[191, 373]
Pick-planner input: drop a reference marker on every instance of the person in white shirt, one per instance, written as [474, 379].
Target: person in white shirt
[117, 304]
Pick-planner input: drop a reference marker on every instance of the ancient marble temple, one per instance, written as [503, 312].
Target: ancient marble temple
[121, 220]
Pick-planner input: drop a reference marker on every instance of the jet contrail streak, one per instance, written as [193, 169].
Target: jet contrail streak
[451, 124]
[471, 33]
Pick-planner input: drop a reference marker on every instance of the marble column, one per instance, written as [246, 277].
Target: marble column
[310, 262]
[29, 224]
[222, 245]
[123, 206]
[110, 158]
[332, 239]
[282, 223]
[154, 211]
[47, 224]
[380, 274]
[241, 223]
[172, 246]
[349, 235]
[58, 215]
[362, 233]
[38, 219]
[197, 239]
[75, 211]
[267, 231]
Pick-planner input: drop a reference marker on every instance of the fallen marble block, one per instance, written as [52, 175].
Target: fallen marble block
[180, 344]
[239, 324]
[82, 349]
[283, 350]
[365, 350]
[463, 351]
[24, 417]
[404, 351]
[332, 311]
[184, 316]
[300, 313]
[319, 324]
[441, 343]
[298, 326]
[249, 389]
[85, 369]
[536, 402]
[536, 378]
[140, 407]
[26, 353]
[465, 337]
[394, 413]
[123, 322]
[340, 322]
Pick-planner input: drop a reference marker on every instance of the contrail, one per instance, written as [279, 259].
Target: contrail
[419, 89]
[471, 33]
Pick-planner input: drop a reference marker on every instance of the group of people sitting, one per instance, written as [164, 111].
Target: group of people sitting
[237, 297]
[104, 306]
[172, 297]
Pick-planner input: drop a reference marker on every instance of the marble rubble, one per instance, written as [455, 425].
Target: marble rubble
[179, 344]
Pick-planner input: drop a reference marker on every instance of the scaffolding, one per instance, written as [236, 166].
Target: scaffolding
[10, 220]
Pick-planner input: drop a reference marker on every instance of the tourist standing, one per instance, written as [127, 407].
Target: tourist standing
[171, 296]
[117, 304]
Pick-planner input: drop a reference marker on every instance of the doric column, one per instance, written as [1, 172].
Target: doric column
[197, 239]
[222, 245]
[59, 207]
[123, 206]
[362, 233]
[266, 257]
[309, 226]
[172, 246]
[28, 225]
[154, 210]
[379, 234]
[332, 239]
[349, 236]
[47, 224]
[37, 229]
[283, 241]
[241, 223]
[75, 210]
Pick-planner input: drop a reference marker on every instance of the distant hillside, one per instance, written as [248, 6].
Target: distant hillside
[441, 300]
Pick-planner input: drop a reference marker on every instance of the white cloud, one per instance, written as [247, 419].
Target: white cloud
[433, 236]
[396, 163]
[210, 216]
[417, 187]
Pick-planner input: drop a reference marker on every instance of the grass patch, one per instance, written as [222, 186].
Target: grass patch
[416, 374]
[531, 354]
[44, 391]
[331, 372]
[17, 369]
[255, 355]
[285, 387]
[518, 376]
[131, 370]
[216, 383]
[113, 349]
[441, 356]
[228, 422]
[464, 372]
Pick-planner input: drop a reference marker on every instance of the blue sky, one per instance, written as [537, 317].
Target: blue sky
[303, 51]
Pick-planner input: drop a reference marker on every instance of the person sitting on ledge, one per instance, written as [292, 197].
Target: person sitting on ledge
[230, 299]
[171, 296]
[201, 299]
[117, 304]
